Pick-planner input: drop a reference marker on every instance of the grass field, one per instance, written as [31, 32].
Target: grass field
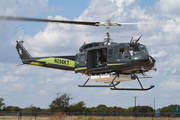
[60, 116]
[64, 117]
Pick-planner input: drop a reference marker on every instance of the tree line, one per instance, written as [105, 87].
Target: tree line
[61, 104]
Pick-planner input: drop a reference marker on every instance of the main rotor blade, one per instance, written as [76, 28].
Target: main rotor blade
[107, 23]
[151, 23]
[48, 20]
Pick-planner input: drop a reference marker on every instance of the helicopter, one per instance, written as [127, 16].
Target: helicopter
[107, 61]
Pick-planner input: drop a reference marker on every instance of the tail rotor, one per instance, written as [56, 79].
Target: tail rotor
[19, 33]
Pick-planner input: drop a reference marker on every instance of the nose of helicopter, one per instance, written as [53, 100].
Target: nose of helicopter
[143, 62]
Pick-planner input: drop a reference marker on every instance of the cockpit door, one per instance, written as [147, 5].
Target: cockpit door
[92, 59]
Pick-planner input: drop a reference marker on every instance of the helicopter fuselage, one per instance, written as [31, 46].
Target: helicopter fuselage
[123, 58]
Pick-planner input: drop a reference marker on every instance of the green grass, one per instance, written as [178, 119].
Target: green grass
[63, 117]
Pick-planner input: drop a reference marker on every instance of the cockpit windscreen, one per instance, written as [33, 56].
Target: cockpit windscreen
[143, 48]
[137, 48]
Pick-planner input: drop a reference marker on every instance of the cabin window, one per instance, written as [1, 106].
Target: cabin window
[96, 44]
[110, 53]
[91, 45]
[86, 46]
[122, 53]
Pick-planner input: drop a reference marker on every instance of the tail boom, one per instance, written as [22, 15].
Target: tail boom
[56, 62]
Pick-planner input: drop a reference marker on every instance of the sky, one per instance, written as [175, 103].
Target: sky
[25, 85]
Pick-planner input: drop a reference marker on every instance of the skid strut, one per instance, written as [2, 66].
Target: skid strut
[141, 89]
[110, 85]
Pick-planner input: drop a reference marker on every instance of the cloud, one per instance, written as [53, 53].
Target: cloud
[42, 92]
[9, 78]
[168, 7]
[171, 84]
[161, 53]
[26, 8]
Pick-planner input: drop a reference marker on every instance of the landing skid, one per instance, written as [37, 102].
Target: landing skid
[114, 85]
[140, 89]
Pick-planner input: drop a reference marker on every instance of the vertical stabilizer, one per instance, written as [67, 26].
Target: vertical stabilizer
[23, 53]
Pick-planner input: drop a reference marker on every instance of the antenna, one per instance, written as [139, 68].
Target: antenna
[138, 39]
[131, 40]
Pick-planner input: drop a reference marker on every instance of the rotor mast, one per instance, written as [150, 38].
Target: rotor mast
[107, 38]
[108, 23]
